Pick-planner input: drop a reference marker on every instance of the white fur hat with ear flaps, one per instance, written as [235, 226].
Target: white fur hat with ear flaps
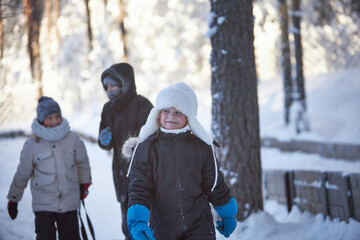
[181, 97]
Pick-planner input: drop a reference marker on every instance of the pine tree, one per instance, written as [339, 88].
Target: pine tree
[300, 109]
[235, 112]
[285, 58]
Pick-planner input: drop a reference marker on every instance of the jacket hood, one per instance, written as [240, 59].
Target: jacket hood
[124, 74]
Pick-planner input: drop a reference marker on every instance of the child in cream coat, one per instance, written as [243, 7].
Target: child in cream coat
[55, 161]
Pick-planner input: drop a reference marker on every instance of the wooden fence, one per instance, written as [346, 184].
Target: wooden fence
[333, 194]
[328, 150]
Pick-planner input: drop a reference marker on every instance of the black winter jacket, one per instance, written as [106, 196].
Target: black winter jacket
[172, 175]
[125, 115]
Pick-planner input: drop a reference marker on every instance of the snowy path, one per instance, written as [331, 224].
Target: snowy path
[275, 223]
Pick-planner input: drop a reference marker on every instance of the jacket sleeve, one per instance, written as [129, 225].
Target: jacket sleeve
[221, 194]
[23, 174]
[82, 162]
[141, 184]
[104, 124]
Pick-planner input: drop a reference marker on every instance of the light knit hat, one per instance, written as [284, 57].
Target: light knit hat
[181, 97]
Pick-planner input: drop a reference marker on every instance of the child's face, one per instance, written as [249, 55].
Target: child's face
[52, 120]
[111, 87]
[171, 119]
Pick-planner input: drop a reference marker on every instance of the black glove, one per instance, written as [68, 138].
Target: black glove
[12, 209]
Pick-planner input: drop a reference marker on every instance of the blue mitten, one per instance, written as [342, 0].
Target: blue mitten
[137, 219]
[227, 212]
[105, 136]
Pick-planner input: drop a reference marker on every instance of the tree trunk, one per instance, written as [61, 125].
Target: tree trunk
[355, 6]
[90, 35]
[48, 10]
[324, 10]
[235, 113]
[122, 29]
[33, 11]
[301, 121]
[57, 16]
[285, 58]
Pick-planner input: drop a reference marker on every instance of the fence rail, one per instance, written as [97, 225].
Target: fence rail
[330, 150]
[333, 194]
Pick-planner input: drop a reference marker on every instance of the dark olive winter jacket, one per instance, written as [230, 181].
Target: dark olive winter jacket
[125, 115]
[172, 174]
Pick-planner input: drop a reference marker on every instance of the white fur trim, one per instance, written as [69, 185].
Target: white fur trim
[129, 146]
[199, 130]
[151, 126]
[132, 159]
[176, 131]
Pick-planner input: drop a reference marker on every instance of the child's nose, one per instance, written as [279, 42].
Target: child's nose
[55, 121]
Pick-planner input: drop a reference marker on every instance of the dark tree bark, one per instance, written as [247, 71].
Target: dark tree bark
[33, 11]
[235, 112]
[301, 121]
[355, 6]
[324, 12]
[285, 58]
[122, 13]
[90, 35]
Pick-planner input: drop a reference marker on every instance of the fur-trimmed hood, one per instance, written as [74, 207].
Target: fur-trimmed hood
[129, 147]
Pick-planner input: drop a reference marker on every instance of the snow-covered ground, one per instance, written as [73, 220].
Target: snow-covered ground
[334, 113]
[104, 210]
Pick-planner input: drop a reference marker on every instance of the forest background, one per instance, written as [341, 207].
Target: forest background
[165, 41]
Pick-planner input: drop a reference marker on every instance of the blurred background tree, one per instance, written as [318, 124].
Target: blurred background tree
[165, 42]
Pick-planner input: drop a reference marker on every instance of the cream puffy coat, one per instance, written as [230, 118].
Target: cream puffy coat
[56, 168]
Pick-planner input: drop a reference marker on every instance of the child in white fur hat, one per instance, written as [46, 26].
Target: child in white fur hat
[174, 174]
[56, 163]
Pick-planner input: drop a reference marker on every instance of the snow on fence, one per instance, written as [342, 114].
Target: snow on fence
[333, 194]
[329, 150]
